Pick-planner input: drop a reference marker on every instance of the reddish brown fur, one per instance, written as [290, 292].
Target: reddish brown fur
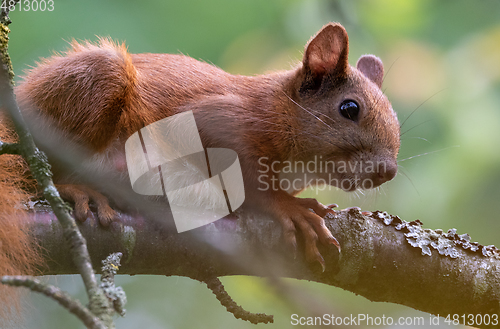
[98, 95]
[101, 78]
[18, 253]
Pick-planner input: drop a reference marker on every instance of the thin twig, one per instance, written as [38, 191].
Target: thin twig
[9, 148]
[40, 169]
[114, 293]
[73, 305]
[223, 297]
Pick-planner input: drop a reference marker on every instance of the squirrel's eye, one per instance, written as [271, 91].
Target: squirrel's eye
[349, 109]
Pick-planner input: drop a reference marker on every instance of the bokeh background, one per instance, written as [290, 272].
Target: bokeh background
[442, 62]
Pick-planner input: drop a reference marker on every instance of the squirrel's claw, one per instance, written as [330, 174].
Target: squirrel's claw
[295, 214]
[81, 196]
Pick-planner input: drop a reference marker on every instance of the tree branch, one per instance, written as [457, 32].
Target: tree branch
[383, 258]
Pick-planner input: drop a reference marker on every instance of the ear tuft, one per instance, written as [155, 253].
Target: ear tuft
[372, 68]
[327, 51]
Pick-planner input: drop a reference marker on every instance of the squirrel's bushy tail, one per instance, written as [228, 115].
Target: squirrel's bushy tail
[18, 251]
[80, 91]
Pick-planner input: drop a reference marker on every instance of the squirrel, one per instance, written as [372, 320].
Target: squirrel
[98, 95]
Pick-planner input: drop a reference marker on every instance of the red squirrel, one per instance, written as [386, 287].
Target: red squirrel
[98, 95]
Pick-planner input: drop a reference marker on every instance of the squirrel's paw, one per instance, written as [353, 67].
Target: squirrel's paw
[81, 195]
[296, 213]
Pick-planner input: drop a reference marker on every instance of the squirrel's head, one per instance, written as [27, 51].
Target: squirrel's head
[350, 129]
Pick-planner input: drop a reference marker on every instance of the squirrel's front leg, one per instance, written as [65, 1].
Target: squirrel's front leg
[304, 214]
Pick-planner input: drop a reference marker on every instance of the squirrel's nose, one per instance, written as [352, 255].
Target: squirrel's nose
[386, 170]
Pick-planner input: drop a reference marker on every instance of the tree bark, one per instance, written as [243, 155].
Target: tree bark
[383, 258]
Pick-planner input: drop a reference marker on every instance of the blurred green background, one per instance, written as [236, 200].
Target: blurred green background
[442, 62]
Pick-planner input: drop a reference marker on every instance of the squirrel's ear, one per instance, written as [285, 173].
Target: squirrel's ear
[372, 68]
[327, 51]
